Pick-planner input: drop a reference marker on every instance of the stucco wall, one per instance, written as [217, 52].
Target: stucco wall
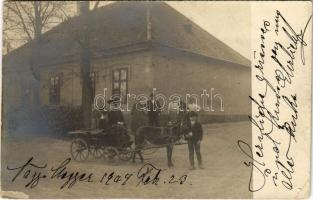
[70, 93]
[168, 72]
[140, 77]
[182, 74]
[139, 74]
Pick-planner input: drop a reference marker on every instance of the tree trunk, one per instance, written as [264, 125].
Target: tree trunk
[36, 57]
[86, 87]
[85, 66]
[36, 74]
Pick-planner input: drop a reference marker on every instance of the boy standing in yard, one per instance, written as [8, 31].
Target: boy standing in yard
[194, 137]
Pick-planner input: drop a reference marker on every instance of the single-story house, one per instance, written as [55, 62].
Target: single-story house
[136, 46]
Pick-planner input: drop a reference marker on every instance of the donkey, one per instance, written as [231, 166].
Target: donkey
[159, 136]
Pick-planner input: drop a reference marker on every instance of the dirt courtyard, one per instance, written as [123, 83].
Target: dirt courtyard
[224, 176]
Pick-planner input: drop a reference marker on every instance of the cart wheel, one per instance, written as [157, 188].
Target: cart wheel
[79, 149]
[97, 152]
[125, 154]
[110, 152]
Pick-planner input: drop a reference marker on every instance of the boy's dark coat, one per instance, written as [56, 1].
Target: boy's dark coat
[197, 132]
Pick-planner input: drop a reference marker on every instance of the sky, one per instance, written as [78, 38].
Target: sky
[227, 21]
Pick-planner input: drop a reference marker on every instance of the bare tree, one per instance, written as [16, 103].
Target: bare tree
[83, 38]
[25, 22]
[85, 61]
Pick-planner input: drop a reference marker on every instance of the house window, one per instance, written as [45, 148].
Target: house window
[55, 89]
[120, 83]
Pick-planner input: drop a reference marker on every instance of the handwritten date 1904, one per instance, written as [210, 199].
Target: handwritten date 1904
[33, 173]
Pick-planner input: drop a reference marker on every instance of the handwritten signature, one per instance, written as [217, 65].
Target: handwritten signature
[33, 174]
[270, 103]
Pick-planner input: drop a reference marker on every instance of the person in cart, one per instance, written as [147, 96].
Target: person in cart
[116, 120]
[115, 115]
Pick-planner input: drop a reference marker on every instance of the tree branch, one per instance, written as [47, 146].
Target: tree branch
[43, 13]
[28, 14]
[19, 14]
[45, 18]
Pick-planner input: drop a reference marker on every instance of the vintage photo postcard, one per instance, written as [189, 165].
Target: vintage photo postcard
[156, 99]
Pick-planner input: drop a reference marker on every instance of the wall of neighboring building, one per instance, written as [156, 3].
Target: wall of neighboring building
[17, 91]
[17, 81]
[12, 89]
[183, 73]
[18, 94]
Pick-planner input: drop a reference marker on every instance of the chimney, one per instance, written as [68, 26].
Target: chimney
[82, 7]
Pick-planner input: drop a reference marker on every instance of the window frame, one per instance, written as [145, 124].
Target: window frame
[55, 89]
[120, 81]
